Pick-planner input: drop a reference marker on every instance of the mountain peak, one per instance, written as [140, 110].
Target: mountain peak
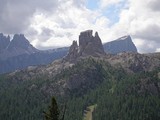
[4, 41]
[20, 38]
[19, 41]
[121, 44]
[96, 34]
[17, 46]
[87, 33]
[126, 37]
[89, 45]
[17, 36]
[73, 52]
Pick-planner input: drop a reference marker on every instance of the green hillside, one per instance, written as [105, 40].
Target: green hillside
[118, 95]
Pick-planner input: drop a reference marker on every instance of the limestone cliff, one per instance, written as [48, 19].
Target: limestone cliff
[89, 45]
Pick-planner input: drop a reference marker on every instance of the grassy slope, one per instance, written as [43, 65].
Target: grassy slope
[88, 112]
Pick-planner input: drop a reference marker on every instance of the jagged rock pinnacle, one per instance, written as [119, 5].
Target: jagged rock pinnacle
[4, 42]
[73, 52]
[89, 45]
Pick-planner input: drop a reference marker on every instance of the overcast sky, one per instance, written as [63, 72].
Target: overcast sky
[56, 23]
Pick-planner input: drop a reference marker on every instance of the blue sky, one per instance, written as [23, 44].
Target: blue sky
[111, 12]
[92, 5]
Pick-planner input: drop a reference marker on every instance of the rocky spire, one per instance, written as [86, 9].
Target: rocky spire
[84, 38]
[89, 45]
[19, 41]
[73, 52]
[4, 41]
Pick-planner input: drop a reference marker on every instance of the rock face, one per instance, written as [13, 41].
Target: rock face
[20, 42]
[89, 45]
[73, 52]
[134, 62]
[123, 44]
[19, 54]
[18, 46]
[4, 42]
[90, 69]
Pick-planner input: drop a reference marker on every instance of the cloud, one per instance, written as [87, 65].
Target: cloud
[145, 23]
[158, 50]
[16, 15]
[67, 22]
[142, 22]
[53, 23]
[154, 5]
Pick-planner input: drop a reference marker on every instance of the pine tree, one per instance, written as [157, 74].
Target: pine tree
[53, 112]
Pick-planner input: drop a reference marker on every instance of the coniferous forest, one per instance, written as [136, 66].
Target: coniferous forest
[118, 95]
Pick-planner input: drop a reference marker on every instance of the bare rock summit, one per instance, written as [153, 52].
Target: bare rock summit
[123, 44]
[89, 45]
[4, 42]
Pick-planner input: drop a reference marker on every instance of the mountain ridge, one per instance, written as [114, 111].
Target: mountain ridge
[19, 54]
[115, 82]
[131, 62]
[121, 44]
[14, 57]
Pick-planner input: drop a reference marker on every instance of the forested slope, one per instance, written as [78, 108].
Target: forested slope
[118, 94]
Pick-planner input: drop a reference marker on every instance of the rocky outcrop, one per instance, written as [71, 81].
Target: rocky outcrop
[20, 42]
[19, 54]
[123, 44]
[89, 45]
[154, 55]
[73, 52]
[18, 46]
[86, 74]
[4, 42]
[134, 62]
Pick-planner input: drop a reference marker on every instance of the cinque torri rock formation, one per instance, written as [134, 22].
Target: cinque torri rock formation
[89, 45]
[18, 53]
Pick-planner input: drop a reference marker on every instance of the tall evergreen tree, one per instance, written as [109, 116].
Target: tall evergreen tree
[53, 112]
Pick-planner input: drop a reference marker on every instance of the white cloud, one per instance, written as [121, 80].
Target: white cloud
[158, 50]
[146, 23]
[66, 24]
[16, 15]
[142, 22]
[49, 24]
